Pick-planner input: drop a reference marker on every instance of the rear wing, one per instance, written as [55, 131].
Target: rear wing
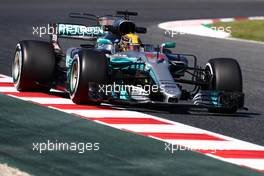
[77, 31]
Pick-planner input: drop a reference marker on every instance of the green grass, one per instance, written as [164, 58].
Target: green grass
[244, 29]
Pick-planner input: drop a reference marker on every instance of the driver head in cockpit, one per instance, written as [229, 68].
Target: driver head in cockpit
[130, 42]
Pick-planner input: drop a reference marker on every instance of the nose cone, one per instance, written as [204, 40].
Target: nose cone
[172, 93]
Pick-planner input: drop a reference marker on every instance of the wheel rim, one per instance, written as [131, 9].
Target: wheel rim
[209, 75]
[74, 77]
[16, 71]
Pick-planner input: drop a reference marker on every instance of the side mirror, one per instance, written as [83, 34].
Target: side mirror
[168, 45]
[103, 41]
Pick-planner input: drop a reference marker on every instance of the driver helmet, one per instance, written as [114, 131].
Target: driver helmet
[130, 42]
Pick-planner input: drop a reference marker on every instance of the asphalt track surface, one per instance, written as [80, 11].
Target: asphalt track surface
[17, 19]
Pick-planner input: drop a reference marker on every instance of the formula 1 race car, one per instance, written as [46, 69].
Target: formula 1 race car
[115, 66]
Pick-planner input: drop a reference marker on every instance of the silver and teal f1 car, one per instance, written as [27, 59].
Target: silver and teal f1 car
[99, 71]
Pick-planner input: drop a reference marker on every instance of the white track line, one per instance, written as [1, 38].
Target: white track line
[158, 128]
[6, 80]
[47, 100]
[8, 89]
[251, 163]
[107, 113]
[194, 27]
[216, 145]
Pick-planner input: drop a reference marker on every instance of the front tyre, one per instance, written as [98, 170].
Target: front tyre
[88, 70]
[226, 77]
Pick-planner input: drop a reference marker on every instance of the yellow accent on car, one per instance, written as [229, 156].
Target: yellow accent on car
[134, 39]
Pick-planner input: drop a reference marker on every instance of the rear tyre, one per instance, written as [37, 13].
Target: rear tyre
[33, 65]
[225, 76]
[89, 67]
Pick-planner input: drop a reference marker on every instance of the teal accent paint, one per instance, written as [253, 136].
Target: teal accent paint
[103, 41]
[122, 59]
[168, 45]
[123, 94]
[214, 95]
